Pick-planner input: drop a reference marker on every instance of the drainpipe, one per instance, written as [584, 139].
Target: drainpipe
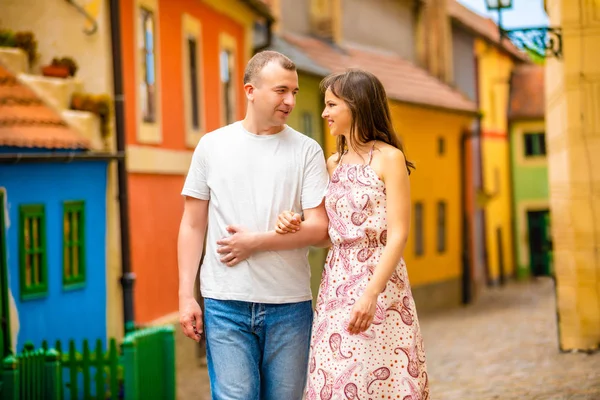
[127, 277]
[467, 288]
[269, 38]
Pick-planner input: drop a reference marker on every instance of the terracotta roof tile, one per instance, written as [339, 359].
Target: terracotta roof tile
[403, 80]
[483, 27]
[26, 121]
[527, 93]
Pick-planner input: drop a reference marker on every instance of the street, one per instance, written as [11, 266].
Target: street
[503, 347]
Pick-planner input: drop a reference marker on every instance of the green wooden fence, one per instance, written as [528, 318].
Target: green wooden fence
[93, 374]
[31, 375]
[149, 364]
[93, 369]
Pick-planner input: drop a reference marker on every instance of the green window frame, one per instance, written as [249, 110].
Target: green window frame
[73, 244]
[534, 144]
[32, 251]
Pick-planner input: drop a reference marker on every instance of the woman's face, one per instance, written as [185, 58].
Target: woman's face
[337, 114]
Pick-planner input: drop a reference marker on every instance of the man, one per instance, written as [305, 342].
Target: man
[258, 311]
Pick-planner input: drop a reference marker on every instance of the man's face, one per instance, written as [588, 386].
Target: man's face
[274, 93]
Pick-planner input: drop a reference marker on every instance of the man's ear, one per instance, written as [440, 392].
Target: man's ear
[249, 90]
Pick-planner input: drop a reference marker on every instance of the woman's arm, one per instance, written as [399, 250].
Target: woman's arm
[397, 187]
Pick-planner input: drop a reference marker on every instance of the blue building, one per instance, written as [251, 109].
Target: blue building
[52, 225]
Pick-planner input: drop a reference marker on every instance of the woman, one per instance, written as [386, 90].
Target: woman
[366, 341]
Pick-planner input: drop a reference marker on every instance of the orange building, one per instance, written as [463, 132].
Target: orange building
[183, 62]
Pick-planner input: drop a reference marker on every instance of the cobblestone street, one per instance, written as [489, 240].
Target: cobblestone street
[503, 347]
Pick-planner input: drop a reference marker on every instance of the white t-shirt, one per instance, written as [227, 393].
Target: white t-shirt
[250, 179]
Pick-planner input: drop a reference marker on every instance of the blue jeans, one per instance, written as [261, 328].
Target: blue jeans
[257, 351]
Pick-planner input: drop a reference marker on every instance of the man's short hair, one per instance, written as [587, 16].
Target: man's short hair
[258, 62]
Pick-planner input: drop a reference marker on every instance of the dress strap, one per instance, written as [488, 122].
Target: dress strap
[371, 154]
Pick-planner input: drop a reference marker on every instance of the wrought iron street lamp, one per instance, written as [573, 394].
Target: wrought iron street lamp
[540, 40]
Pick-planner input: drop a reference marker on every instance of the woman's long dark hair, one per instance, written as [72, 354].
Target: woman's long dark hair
[366, 98]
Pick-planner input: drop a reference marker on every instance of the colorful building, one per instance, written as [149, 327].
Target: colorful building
[62, 30]
[430, 116]
[477, 48]
[529, 167]
[52, 225]
[183, 63]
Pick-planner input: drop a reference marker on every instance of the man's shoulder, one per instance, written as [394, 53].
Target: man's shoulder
[218, 135]
[302, 138]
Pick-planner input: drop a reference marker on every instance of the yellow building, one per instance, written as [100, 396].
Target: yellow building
[430, 117]
[573, 145]
[494, 63]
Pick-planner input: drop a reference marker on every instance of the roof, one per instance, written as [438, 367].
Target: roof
[483, 27]
[26, 121]
[260, 8]
[302, 61]
[403, 81]
[527, 93]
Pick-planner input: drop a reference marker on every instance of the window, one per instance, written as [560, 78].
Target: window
[227, 61]
[307, 126]
[192, 79]
[441, 146]
[32, 251]
[321, 12]
[148, 62]
[441, 226]
[535, 144]
[73, 244]
[419, 238]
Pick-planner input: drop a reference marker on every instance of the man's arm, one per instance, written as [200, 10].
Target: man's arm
[189, 252]
[241, 244]
[313, 233]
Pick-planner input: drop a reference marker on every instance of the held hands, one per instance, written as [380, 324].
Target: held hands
[288, 222]
[190, 318]
[362, 313]
[237, 247]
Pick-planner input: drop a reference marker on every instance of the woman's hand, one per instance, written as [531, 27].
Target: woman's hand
[288, 222]
[362, 313]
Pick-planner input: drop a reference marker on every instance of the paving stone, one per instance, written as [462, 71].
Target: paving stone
[503, 347]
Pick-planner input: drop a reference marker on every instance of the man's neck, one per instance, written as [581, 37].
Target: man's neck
[253, 126]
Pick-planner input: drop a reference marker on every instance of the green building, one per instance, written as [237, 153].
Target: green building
[531, 215]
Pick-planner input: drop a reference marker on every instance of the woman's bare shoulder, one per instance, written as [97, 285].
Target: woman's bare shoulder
[332, 162]
[390, 154]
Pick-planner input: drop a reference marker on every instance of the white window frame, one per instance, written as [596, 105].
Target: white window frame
[228, 43]
[147, 132]
[191, 28]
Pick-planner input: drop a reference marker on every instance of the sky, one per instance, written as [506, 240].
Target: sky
[524, 13]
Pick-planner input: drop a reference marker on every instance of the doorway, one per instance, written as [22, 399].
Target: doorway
[540, 243]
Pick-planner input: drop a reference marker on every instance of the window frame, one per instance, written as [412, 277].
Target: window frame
[26, 212]
[442, 226]
[229, 94]
[148, 132]
[419, 212]
[538, 142]
[79, 280]
[192, 29]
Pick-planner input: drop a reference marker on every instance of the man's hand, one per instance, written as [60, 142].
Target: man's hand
[237, 247]
[190, 318]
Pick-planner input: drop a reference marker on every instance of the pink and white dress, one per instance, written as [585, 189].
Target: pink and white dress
[388, 360]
